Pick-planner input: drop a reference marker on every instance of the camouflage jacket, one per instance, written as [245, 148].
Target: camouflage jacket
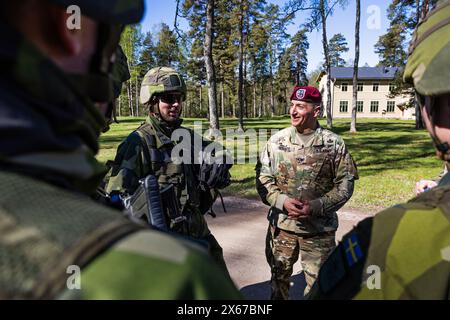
[131, 165]
[400, 253]
[49, 134]
[322, 172]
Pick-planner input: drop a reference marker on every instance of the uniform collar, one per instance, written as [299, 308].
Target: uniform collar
[162, 132]
[317, 140]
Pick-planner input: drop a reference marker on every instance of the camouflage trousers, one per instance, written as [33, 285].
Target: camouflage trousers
[282, 252]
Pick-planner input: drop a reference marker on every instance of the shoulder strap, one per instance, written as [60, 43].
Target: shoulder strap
[50, 231]
[148, 142]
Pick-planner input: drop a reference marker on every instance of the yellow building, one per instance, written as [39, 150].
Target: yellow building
[374, 87]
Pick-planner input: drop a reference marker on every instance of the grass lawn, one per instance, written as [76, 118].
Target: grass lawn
[391, 156]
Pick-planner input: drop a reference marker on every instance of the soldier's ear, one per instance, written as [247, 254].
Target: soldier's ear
[316, 110]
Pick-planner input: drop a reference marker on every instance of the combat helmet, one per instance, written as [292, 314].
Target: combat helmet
[160, 80]
[428, 68]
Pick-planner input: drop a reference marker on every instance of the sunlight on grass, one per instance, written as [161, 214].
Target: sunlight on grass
[391, 156]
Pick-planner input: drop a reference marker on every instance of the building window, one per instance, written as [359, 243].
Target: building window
[391, 106]
[344, 87]
[360, 106]
[374, 106]
[391, 87]
[376, 87]
[360, 87]
[343, 106]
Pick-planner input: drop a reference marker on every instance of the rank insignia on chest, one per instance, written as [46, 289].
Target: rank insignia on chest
[353, 250]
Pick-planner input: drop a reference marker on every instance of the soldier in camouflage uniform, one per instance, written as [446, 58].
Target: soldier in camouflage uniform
[163, 91]
[49, 127]
[305, 175]
[404, 251]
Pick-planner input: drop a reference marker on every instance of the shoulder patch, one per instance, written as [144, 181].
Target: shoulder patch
[353, 250]
[332, 272]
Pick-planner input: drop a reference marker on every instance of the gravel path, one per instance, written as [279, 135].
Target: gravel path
[241, 232]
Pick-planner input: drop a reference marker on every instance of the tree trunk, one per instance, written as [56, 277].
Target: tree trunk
[272, 100]
[130, 101]
[287, 102]
[120, 105]
[327, 63]
[244, 87]
[261, 104]
[254, 99]
[200, 93]
[222, 100]
[417, 12]
[137, 97]
[355, 67]
[210, 72]
[240, 92]
[419, 122]
[425, 7]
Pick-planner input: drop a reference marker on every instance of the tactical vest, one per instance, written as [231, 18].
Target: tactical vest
[44, 230]
[161, 164]
[180, 175]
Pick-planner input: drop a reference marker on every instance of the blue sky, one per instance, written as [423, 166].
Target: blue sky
[373, 24]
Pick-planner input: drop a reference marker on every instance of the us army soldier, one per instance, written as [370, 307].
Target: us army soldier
[305, 175]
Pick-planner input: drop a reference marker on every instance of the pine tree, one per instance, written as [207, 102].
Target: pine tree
[337, 46]
[167, 50]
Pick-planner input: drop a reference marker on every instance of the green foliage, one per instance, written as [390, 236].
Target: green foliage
[167, 51]
[337, 46]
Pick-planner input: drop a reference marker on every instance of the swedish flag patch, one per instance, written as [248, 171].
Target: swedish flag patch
[353, 250]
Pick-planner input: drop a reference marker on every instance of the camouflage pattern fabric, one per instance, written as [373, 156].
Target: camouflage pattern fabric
[282, 252]
[131, 165]
[401, 253]
[322, 172]
[428, 68]
[159, 80]
[49, 137]
[55, 229]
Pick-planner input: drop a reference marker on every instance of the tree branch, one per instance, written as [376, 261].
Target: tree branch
[175, 24]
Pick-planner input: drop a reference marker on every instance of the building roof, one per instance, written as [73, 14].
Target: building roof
[381, 73]
[364, 73]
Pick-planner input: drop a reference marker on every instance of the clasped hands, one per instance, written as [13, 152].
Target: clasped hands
[297, 208]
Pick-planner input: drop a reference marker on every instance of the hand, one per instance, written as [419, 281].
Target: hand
[297, 208]
[423, 185]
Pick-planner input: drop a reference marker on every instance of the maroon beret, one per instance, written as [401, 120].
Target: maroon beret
[307, 94]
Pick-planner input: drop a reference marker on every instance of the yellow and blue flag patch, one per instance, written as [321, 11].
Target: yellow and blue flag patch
[353, 250]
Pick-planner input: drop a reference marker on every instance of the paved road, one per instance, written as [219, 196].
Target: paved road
[242, 231]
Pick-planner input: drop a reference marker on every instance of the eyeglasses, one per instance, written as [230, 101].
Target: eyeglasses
[171, 98]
